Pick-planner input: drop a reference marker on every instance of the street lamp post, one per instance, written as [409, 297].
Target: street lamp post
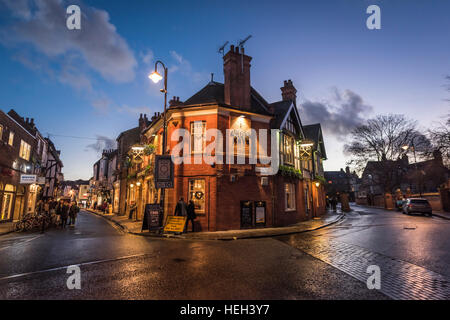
[406, 147]
[156, 77]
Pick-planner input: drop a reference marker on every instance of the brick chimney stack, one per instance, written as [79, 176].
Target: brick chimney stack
[236, 69]
[175, 102]
[288, 91]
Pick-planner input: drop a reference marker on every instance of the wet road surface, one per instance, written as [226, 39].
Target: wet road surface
[115, 265]
[412, 252]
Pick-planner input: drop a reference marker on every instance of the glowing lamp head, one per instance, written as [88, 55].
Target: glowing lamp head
[155, 77]
[317, 184]
[405, 147]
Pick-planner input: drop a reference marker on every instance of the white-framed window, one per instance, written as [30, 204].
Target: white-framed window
[197, 194]
[289, 190]
[198, 136]
[25, 150]
[11, 138]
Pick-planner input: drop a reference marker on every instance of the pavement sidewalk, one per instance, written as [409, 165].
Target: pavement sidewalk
[6, 227]
[134, 227]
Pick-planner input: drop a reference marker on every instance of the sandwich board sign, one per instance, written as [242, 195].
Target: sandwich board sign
[175, 224]
[152, 217]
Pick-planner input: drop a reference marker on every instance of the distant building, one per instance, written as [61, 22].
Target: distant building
[339, 182]
[412, 179]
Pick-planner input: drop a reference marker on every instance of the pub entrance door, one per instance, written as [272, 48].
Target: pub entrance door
[246, 214]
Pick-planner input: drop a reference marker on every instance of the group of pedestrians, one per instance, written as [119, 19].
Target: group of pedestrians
[65, 210]
[68, 212]
[186, 210]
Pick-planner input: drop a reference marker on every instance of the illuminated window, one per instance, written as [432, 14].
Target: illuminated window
[298, 164]
[290, 196]
[197, 194]
[25, 150]
[11, 138]
[1, 132]
[198, 136]
[288, 149]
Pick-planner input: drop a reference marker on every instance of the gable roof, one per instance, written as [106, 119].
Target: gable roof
[213, 93]
[134, 132]
[280, 110]
[313, 132]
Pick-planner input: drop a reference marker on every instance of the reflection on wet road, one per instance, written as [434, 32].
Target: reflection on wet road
[411, 251]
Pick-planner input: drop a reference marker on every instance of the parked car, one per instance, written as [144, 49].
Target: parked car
[418, 205]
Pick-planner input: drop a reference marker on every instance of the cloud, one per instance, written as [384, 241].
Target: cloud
[134, 110]
[185, 68]
[43, 25]
[147, 57]
[340, 115]
[102, 144]
[19, 8]
[101, 105]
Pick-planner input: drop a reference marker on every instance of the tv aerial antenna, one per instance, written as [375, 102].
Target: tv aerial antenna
[241, 46]
[222, 48]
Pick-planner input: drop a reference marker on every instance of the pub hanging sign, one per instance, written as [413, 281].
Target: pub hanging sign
[164, 172]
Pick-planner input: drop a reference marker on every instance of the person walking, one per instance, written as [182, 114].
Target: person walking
[334, 203]
[180, 208]
[191, 214]
[73, 211]
[64, 213]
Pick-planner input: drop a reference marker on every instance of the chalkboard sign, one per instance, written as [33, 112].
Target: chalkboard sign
[246, 214]
[152, 217]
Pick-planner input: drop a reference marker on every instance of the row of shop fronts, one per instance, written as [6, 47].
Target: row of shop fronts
[30, 168]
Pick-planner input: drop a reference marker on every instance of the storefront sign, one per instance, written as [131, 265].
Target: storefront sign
[164, 172]
[152, 217]
[175, 224]
[28, 178]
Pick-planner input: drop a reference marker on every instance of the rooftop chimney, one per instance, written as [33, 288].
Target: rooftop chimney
[175, 102]
[236, 69]
[288, 91]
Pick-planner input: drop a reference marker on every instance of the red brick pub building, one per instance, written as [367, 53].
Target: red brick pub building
[237, 196]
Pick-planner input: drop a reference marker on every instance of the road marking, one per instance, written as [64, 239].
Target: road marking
[14, 276]
[23, 242]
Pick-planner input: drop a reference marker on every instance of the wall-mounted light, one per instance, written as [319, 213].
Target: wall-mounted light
[317, 184]
[138, 184]
[131, 185]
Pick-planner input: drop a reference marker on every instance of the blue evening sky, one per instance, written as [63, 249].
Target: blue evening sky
[74, 85]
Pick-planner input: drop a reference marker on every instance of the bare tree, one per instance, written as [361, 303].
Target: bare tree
[384, 139]
[440, 138]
